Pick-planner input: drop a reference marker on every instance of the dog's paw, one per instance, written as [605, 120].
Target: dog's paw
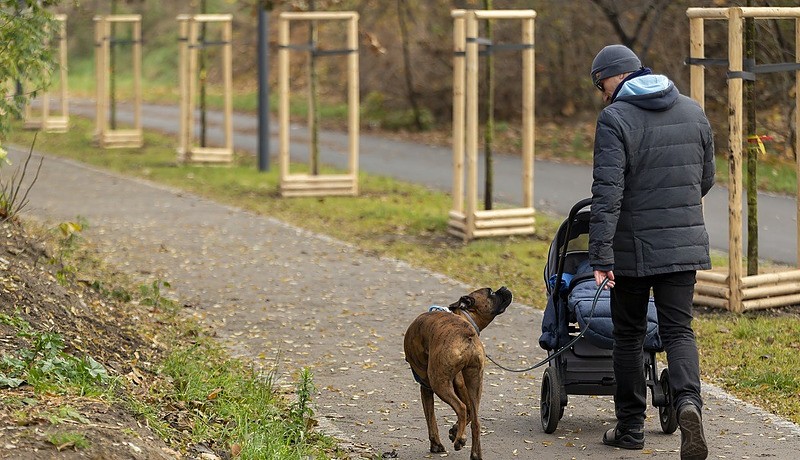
[460, 443]
[437, 448]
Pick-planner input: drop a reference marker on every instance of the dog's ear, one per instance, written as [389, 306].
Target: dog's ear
[463, 303]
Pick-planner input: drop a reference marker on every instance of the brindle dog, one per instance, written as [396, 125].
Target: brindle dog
[447, 358]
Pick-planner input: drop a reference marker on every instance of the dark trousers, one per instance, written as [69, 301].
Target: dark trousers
[672, 293]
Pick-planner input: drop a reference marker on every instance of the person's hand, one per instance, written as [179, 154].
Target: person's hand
[600, 275]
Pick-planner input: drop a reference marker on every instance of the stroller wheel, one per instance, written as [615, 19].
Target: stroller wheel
[550, 406]
[666, 413]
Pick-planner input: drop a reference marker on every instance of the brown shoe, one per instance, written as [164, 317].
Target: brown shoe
[693, 441]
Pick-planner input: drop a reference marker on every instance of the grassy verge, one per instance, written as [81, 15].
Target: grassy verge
[408, 222]
[69, 368]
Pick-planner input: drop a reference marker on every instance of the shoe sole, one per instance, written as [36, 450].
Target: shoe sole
[693, 441]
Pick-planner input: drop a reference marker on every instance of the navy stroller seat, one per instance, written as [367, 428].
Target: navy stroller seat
[583, 364]
[576, 302]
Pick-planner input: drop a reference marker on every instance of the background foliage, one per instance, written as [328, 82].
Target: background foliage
[568, 35]
[26, 61]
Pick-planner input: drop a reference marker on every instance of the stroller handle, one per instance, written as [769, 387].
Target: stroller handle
[578, 206]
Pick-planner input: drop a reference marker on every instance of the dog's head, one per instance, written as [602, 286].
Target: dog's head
[484, 304]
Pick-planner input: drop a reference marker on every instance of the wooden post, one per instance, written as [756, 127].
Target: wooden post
[183, 86]
[137, 77]
[735, 32]
[528, 112]
[733, 290]
[47, 121]
[319, 184]
[471, 106]
[62, 48]
[697, 51]
[191, 81]
[459, 50]
[227, 68]
[283, 81]
[353, 100]
[465, 220]
[797, 131]
[113, 138]
[191, 40]
[99, 76]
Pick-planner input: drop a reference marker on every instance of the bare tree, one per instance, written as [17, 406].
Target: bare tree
[644, 24]
[411, 93]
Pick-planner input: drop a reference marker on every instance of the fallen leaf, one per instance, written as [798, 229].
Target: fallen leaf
[213, 395]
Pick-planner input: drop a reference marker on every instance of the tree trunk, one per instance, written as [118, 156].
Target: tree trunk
[313, 93]
[488, 131]
[203, 76]
[410, 92]
[112, 64]
[752, 152]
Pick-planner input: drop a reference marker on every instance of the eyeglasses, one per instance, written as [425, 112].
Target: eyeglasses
[599, 85]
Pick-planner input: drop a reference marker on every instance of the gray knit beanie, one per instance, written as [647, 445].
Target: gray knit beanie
[614, 60]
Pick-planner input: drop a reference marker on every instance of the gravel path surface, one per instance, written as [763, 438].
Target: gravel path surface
[286, 298]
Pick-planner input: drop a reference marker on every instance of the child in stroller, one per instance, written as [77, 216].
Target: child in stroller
[581, 333]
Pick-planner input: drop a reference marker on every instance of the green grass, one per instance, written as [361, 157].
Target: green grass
[68, 440]
[47, 367]
[408, 222]
[754, 355]
[775, 174]
[230, 403]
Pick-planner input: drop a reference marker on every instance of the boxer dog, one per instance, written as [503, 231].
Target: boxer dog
[447, 358]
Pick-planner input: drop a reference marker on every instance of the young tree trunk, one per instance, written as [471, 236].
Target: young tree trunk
[488, 132]
[313, 93]
[752, 152]
[410, 92]
[112, 81]
[203, 76]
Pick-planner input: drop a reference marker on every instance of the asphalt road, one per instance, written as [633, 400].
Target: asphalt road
[557, 186]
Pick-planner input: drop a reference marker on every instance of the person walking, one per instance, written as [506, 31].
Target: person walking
[653, 163]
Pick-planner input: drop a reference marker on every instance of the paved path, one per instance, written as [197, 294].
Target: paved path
[557, 186]
[286, 298]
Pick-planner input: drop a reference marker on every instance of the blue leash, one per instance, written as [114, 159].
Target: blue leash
[565, 347]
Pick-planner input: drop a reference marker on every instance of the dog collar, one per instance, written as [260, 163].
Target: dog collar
[472, 321]
[466, 314]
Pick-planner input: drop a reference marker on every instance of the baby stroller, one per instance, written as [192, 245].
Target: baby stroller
[584, 365]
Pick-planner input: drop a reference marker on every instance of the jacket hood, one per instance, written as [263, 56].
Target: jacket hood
[649, 92]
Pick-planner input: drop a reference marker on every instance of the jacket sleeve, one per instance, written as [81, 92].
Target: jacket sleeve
[607, 187]
[709, 167]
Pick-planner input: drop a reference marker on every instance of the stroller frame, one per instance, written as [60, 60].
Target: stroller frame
[584, 368]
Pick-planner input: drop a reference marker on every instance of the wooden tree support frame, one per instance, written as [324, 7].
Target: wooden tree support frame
[45, 120]
[734, 291]
[465, 220]
[190, 42]
[322, 184]
[104, 135]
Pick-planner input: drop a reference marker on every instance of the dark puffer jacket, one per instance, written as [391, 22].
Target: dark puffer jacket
[653, 163]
